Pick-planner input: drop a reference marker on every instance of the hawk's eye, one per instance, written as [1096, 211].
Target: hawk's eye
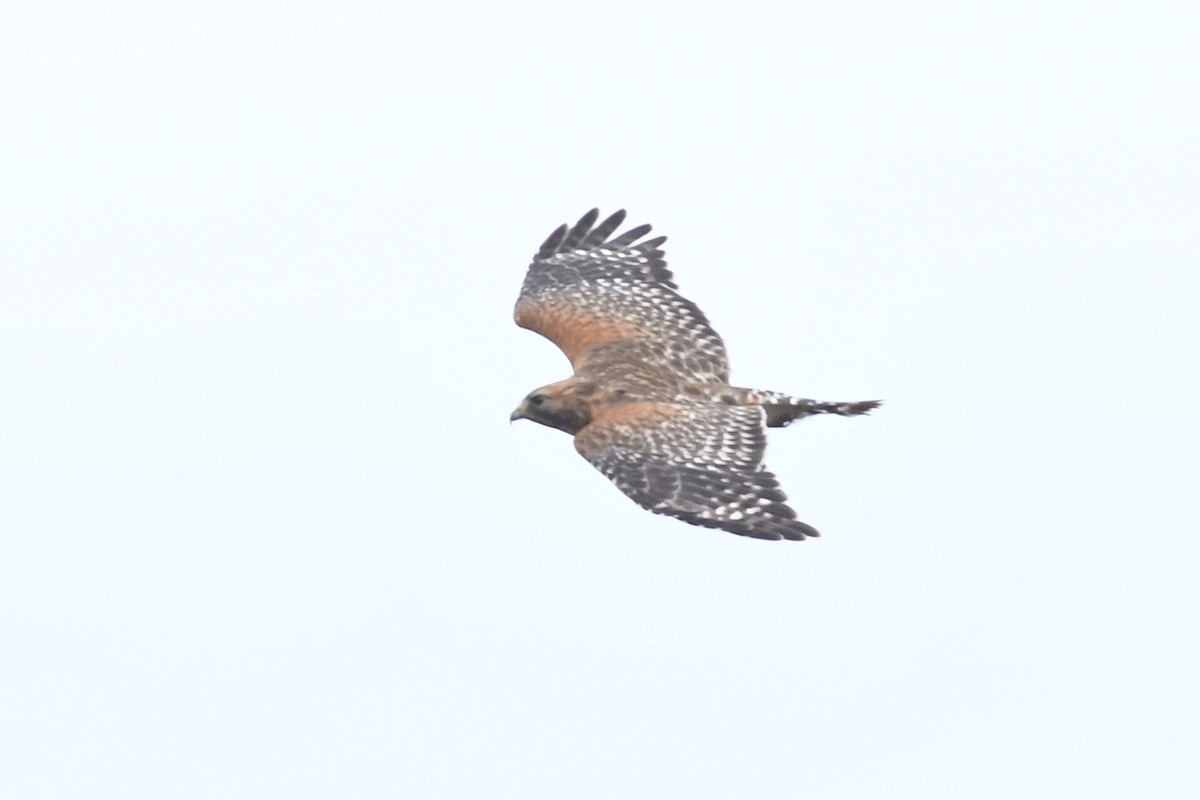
[537, 399]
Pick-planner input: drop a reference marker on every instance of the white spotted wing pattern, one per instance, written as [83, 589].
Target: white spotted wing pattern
[699, 463]
[585, 289]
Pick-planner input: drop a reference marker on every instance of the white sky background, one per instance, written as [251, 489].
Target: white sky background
[265, 530]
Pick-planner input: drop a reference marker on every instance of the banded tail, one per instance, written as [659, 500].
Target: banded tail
[782, 409]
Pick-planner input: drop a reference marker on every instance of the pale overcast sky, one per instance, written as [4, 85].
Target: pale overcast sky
[265, 529]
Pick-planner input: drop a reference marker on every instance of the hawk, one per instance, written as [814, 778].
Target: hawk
[650, 404]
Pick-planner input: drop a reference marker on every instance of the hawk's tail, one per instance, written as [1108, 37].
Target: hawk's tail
[784, 409]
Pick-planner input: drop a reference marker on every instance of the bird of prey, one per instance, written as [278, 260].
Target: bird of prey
[650, 404]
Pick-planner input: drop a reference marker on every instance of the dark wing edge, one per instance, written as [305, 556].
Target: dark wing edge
[719, 483]
[587, 235]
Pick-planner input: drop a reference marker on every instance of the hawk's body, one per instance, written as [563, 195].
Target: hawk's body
[650, 404]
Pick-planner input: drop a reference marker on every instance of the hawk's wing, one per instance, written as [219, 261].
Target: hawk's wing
[585, 289]
[700, 463]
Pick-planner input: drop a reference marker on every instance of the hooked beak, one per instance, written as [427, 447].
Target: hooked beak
[519, 413]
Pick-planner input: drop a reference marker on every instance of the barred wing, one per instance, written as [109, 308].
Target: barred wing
[586, 289]
[699, 463]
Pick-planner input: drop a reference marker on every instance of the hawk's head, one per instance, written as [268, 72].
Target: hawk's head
[564, 405]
